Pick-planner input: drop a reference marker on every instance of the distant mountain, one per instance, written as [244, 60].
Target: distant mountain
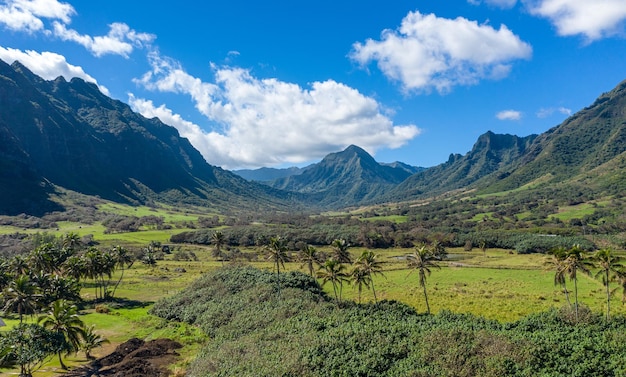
[490, 153]
[589, 139]
[71, 135]
[344, 178]
[268, 174]
[401, 165]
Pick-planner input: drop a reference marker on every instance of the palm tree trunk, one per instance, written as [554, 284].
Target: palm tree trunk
[566, 294]
[118, 282]
[608, 296]
[278, 277]
[426, 297]
[576, 297]
[63, 366]
[335, 290]
[374, 291]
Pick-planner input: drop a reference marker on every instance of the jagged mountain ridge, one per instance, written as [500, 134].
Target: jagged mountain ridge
[347, 177]
[71, 135]
[490, 153]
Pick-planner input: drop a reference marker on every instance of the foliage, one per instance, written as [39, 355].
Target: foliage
[29, 346]
[255, 334]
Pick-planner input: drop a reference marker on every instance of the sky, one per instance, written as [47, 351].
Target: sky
[284, 83]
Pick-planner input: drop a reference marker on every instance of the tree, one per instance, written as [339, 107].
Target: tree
[574, 262]
[309, 257]
[422, 260]
[21, 296]
[218, 240]
[365, 266]
[123, 259]
[610, 266]
[558, 264]
[333, 271]
[63, 319]
[340, 251]
[276, 252]
[29, 346]
[91, 341]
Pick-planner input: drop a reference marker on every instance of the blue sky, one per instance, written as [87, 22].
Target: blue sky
[282, 83]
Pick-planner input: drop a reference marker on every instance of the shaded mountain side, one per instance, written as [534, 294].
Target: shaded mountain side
[268, 174]
[586, 140]
[490, 153]
[27, 191]
[344, 178]
[72, 135]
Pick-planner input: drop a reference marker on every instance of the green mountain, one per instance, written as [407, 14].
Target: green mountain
[491, 153]
[69, 134]
[348, 177]
[577, 149]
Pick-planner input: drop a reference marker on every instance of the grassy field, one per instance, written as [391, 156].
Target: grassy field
[497, 285]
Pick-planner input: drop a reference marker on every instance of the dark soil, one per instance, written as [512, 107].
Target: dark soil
[135, 358]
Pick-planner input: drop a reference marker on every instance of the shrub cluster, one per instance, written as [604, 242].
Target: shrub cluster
[256, 332]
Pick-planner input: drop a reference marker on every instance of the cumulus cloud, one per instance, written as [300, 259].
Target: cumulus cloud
[29, 16]
[120, 40]
[593, 19]
[506, 4]
[26, 15]
[265, 122]
[47, 65]
[509, 115]
[429, 52]
[546, 112]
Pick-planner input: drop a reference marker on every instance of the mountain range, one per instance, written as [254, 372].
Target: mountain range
[62, 134]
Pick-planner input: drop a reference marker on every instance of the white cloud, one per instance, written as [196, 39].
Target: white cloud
[25, 15]
[120, 40]
[595, 19]
[29, 16]
[47, 65]
[265, 122]
[505, 4]
[429, 52]
[509, 115]
[546, 112]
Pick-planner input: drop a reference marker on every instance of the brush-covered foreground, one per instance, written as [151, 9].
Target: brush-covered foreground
[257, 331]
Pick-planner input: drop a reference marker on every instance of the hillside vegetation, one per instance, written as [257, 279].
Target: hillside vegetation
[301, 332]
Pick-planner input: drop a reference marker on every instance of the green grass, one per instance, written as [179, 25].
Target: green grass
[398, 219]
[578, 211]
[497, 285]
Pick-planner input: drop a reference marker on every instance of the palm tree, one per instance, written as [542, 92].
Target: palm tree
[276, 251]
[334, 272]
[218, 241]
[309, 257]
[610, 267]
[360, 278]
[422, 260]
[340, 251]
[368, 265]
[91, 341]
[63, 319]
[22, 296]
[557, 263]
[575, 261]
[122, 259]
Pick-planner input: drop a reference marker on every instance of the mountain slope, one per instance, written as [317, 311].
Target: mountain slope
[490, 153]
[73, 136]
[588, 139]
[347, 177]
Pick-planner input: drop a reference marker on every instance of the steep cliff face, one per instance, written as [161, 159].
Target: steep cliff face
[72, 135]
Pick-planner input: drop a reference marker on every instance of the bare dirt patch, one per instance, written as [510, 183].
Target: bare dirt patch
[134, 358]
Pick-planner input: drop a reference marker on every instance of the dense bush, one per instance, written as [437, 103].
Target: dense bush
[255, 332]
